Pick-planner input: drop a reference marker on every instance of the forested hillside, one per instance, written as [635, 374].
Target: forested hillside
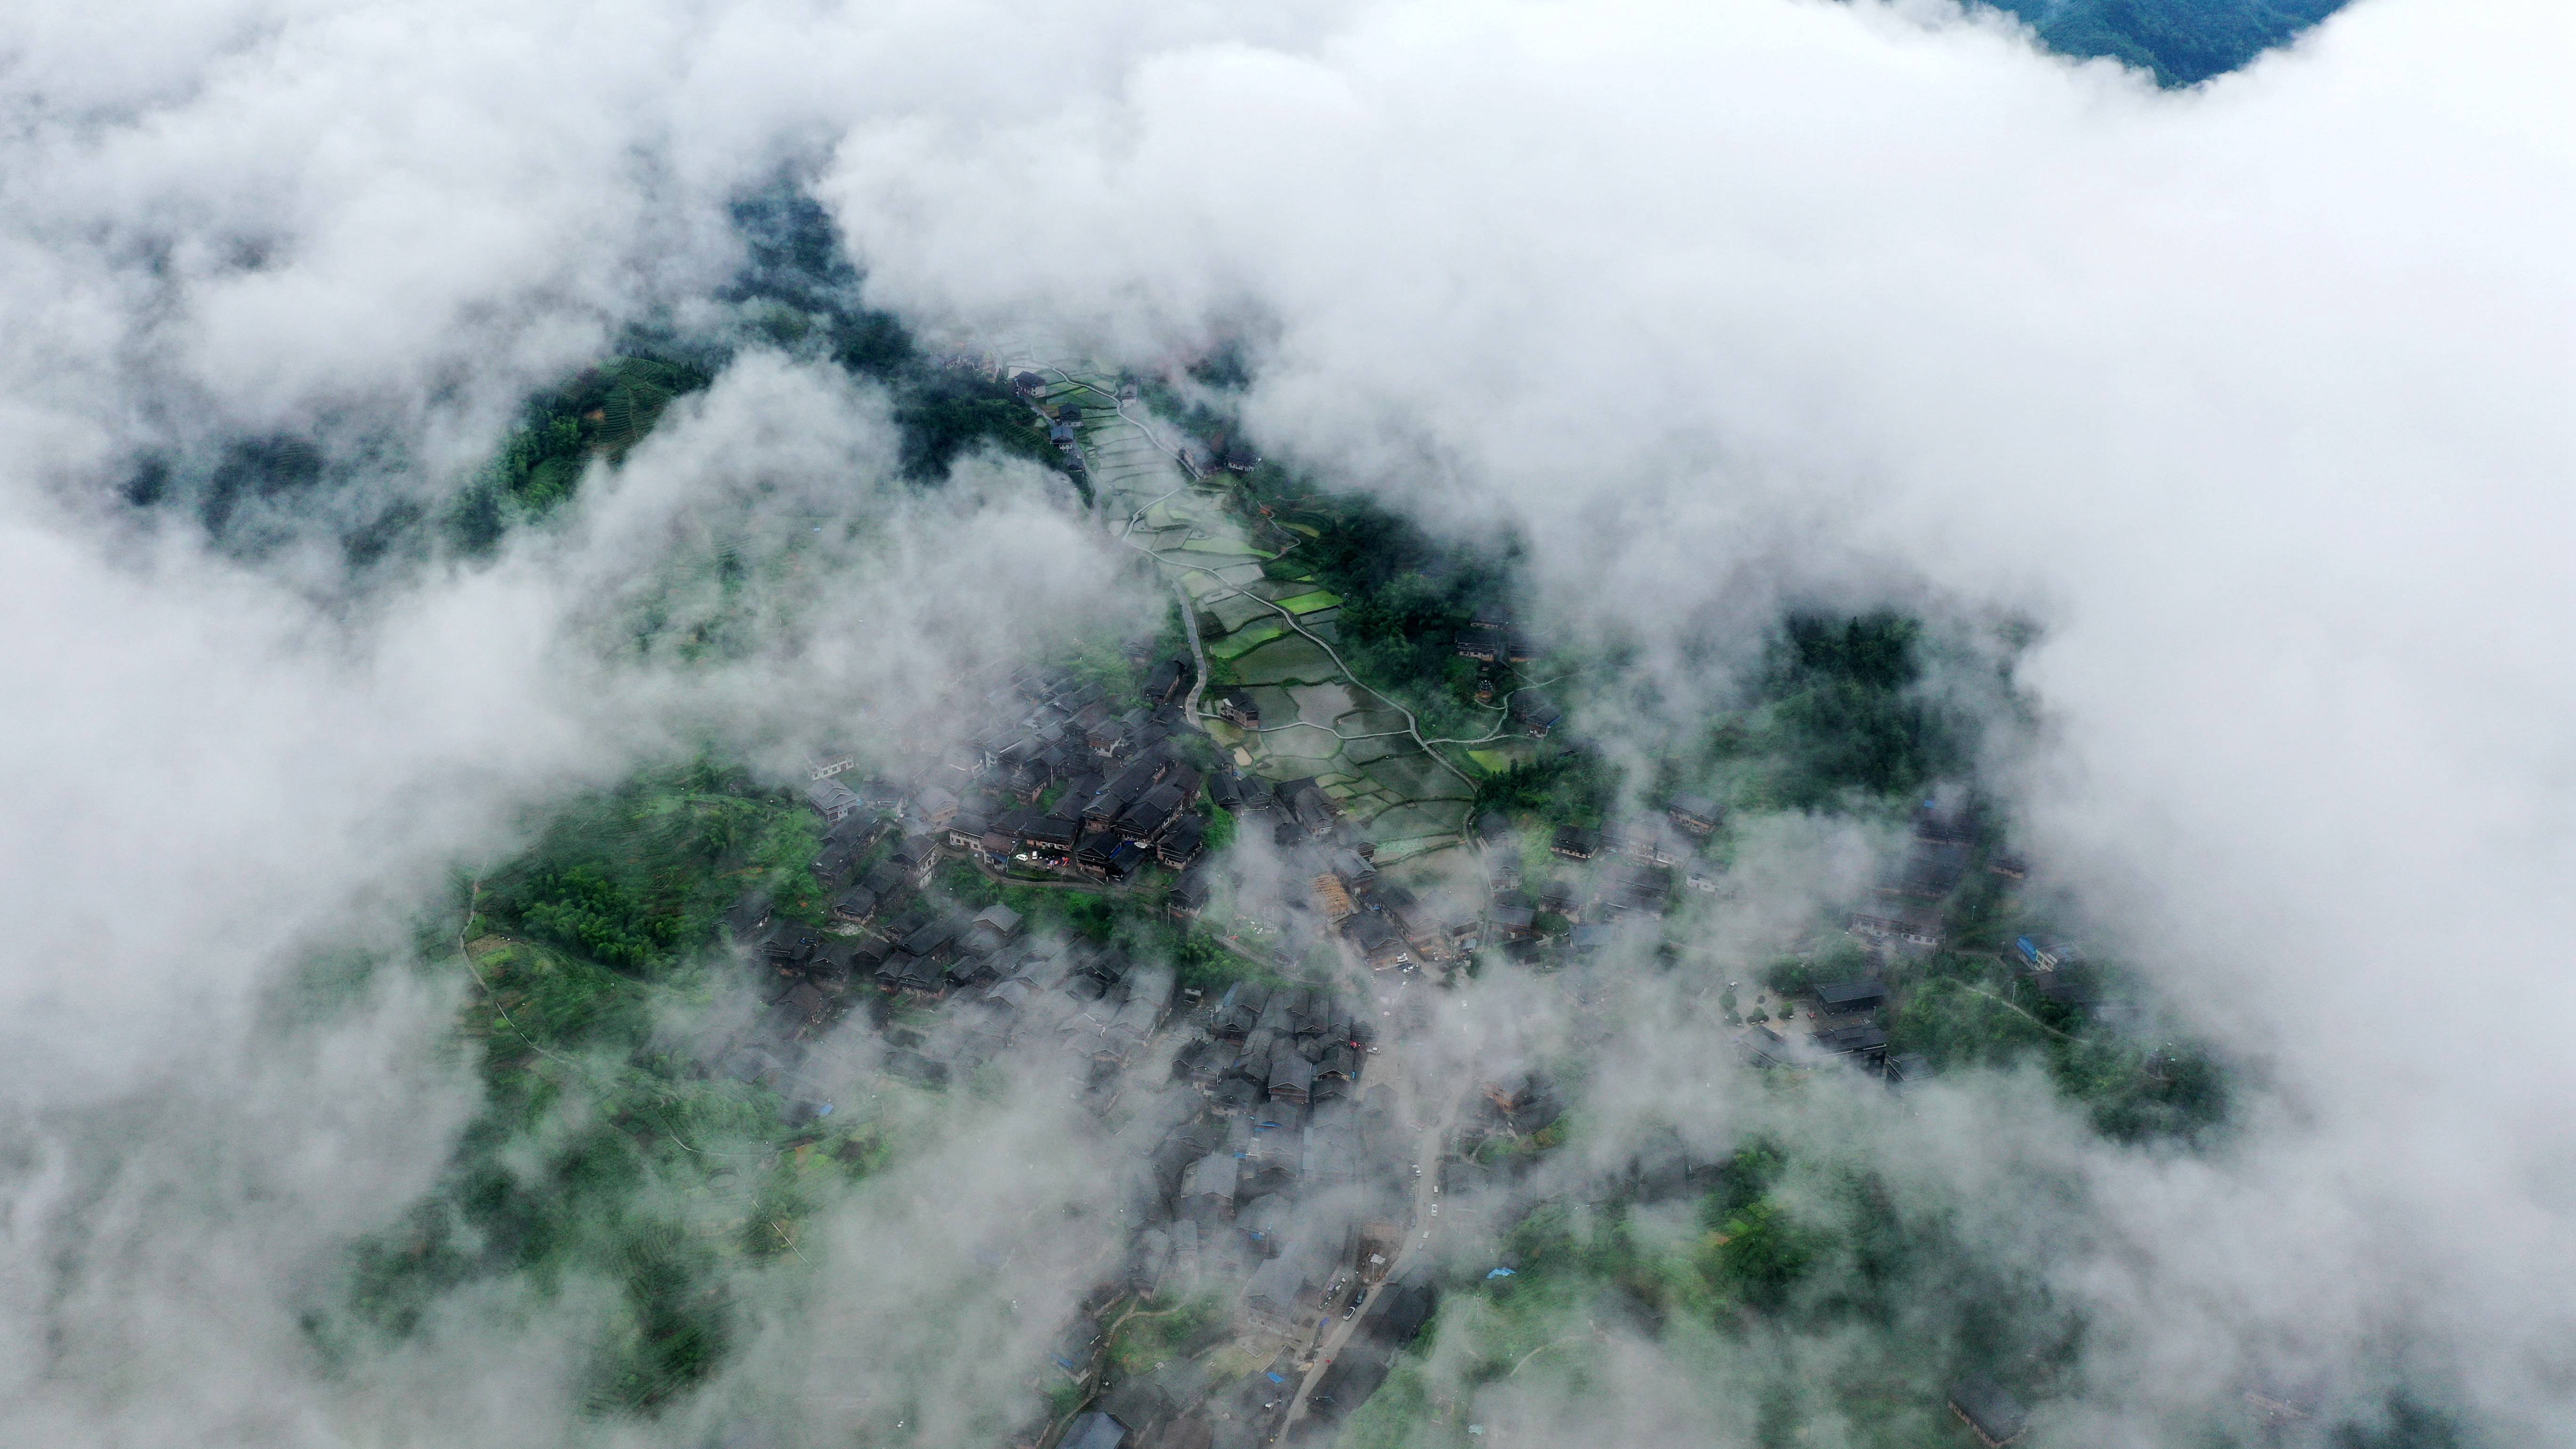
[2183, 42]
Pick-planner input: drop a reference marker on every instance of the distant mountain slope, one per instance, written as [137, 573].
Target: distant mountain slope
[2181, 41]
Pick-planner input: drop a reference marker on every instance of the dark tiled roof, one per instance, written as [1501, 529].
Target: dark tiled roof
[1995, 1415]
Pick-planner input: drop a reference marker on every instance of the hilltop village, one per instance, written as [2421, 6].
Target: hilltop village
[1285, 1195]
[1213, 886]
[1285, 1179]
[1282, 868]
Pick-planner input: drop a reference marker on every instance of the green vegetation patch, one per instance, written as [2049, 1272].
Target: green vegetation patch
[1417, 776]
[1309, 603]
[1562, 788]
[633, 877]
[946, 415]
[600, 1154]
[1290, 660]
[1240, 611]
[1442, 819]
[1963, 1011]
[2182, 42]
[1167, 1329]
[1845, 716]
[603, 413]
[1244, 640]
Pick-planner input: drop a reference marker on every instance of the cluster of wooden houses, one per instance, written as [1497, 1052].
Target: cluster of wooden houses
[1292, 1047]
[1492, 640]
[1223, 450]
[1385, 926]
[1054, 782]
[995, 988]
[1283, 1181]
[1907, 904]
[1098, 1005]
[1628, 872]
[1061, 419]
[1846, 1023]
[1907, 908]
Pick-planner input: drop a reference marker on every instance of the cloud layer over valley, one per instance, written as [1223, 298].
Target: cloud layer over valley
[2245, 405]
[2252, 397]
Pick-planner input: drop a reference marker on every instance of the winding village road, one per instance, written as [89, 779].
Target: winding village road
[1418, 1232]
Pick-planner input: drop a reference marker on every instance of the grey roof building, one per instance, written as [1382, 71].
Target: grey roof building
[1212, 1179]
[832, 800]
[1292, 1077]
[1841, 998]
[1094, 1431]
[1995, 1417]
[1695, 813]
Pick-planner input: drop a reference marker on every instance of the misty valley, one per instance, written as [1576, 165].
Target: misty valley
[1747, 724]
[1419, 1047]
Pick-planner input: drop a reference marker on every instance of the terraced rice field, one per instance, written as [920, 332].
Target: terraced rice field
[1316, 720]
[1292, 659]
[1254, 633]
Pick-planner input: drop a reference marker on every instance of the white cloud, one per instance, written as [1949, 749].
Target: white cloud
[2253, 396]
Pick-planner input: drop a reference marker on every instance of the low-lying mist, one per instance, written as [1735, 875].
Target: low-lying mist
[1921, 505]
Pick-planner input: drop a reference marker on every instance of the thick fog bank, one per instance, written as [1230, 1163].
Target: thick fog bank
[2249, 399]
